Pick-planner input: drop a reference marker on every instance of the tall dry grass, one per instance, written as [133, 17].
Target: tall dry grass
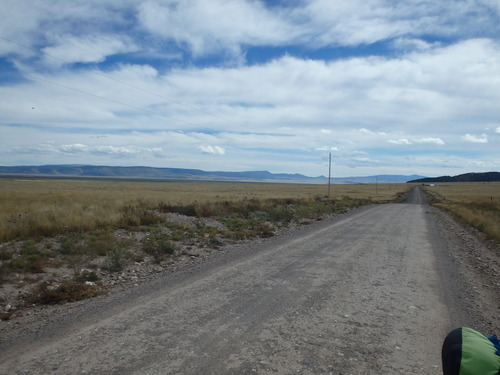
[45, 207]
[478, 204]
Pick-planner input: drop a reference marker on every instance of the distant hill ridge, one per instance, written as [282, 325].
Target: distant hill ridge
[94, 171]
[147, 172]
[466, 177]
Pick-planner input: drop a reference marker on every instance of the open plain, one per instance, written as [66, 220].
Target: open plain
[373, 291]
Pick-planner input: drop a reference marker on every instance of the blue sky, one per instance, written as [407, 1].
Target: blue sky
[385, 86]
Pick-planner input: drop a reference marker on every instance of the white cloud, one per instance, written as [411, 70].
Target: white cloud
[412, 44]
[355, 22]
[215, 26]
[362, 162]
[349, 22]
[437, 141]
[204, 28]
[79, 148]
[91, 48]
[327, 148]
[285, 93]
[214, 150]
[402, 141]
[483, 138]
[405, 141]
[31, 23]
[497, 130]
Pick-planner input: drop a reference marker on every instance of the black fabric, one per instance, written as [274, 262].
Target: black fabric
[451, 353]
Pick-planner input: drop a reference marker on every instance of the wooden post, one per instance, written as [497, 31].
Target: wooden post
[329, 172]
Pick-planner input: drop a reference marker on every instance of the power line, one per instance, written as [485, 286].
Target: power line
[104, 98]
[115, 80]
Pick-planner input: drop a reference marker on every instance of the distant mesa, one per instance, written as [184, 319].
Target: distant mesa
[180, 174]
[466, 177]
[150, 173]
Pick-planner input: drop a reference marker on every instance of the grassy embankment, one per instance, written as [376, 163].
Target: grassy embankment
[48, 224]
[478, 204]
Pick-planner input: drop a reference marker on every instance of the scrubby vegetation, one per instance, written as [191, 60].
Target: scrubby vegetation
[89, 227]
[31, 208]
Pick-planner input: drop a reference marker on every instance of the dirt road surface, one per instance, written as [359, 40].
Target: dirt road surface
[373, 291]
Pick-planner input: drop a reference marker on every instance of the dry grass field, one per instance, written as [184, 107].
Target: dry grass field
[43, 207]
[477, 203]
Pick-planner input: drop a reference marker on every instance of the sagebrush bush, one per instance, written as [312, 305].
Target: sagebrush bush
[5, 255]
[158, 245]
[115, 260]
[66, 291]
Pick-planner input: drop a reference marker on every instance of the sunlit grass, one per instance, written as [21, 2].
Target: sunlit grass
[476, 203]
[45, 207]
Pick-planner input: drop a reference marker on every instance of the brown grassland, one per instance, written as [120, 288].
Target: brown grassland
[43, 207]
[477, 203]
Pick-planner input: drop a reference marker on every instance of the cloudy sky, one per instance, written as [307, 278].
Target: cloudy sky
[385, 86]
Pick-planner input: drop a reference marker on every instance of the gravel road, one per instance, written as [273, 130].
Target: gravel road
[373, 291]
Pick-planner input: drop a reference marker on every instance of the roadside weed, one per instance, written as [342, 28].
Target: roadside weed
[114, 261]
[157, 244]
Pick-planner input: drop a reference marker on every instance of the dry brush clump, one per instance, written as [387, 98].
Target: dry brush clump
[70, 290]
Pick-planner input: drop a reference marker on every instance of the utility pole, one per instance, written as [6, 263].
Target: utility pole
[329, 172]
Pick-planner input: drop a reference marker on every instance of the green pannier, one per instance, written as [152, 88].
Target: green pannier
[467, 352]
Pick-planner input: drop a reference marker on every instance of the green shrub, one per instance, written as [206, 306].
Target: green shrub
[27, 264]
[100, 243]
[5, 255]
[158, 245]
[115, 260]
[71, 244]
[34, 264]
[237, 223]
[30, 248]
[280, 213]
